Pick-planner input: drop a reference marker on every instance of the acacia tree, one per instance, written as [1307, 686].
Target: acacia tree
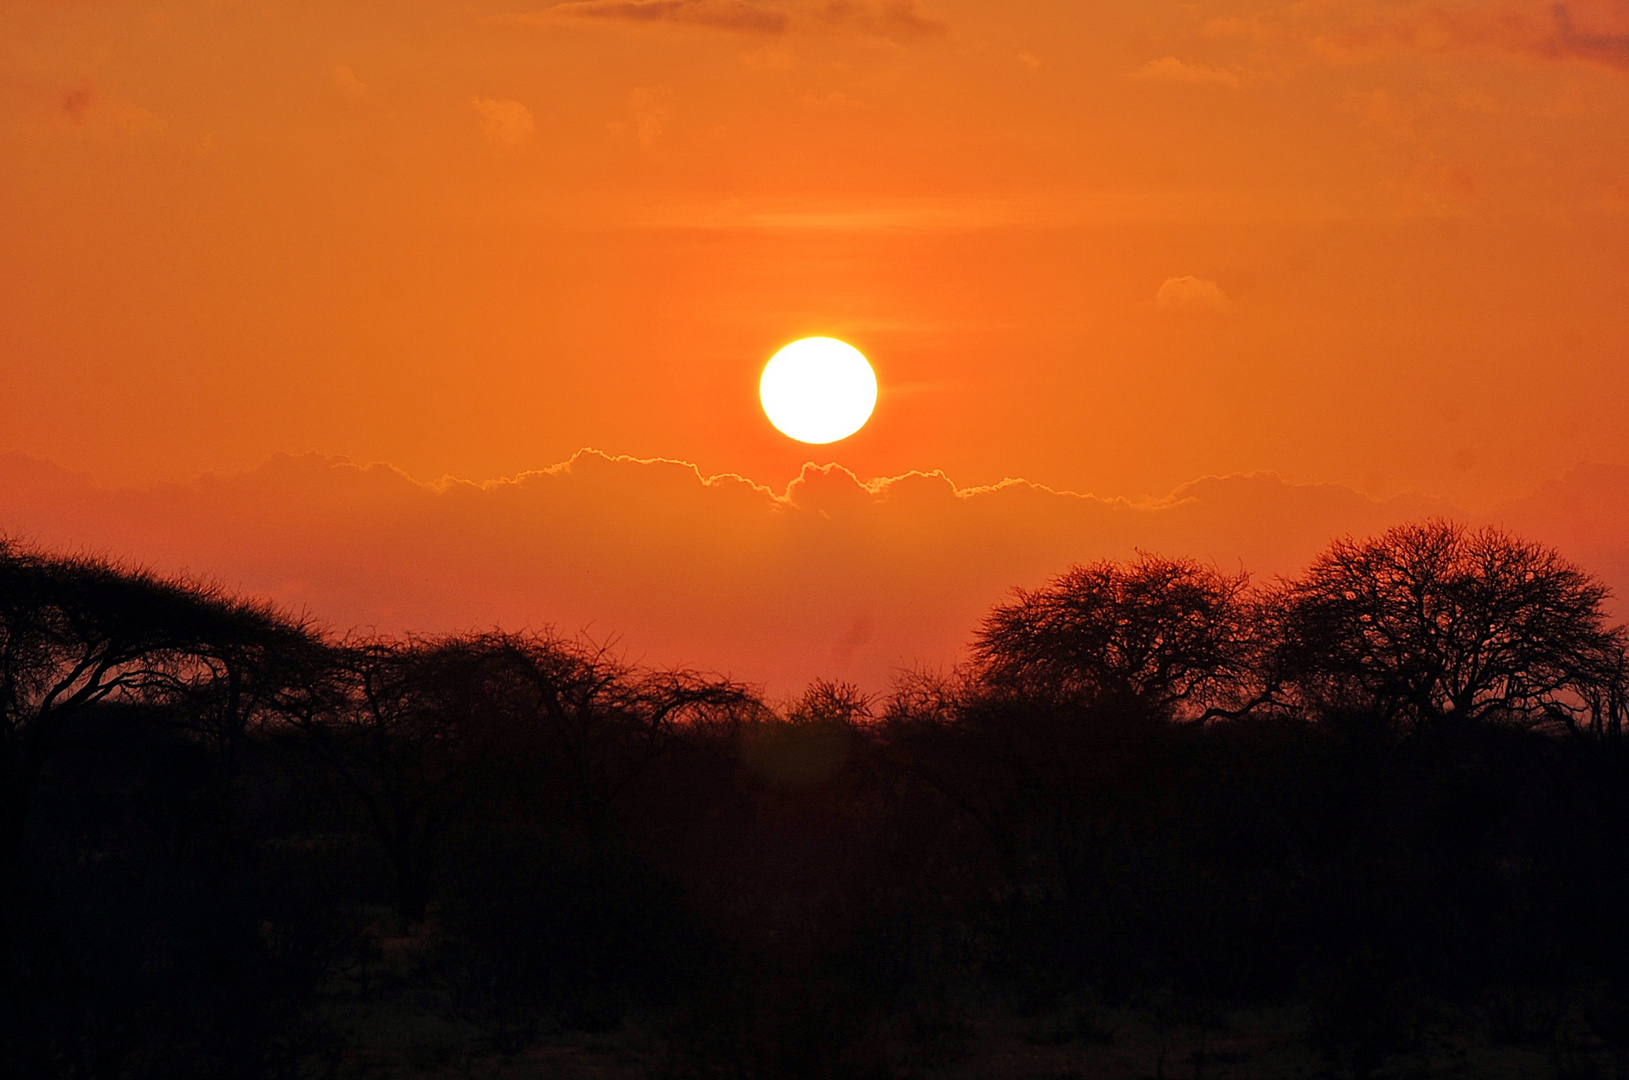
[1071, 682]
[1066, 706]
[1433, 622]
[76, 632]
[414, 729]
[596, 723]
[228, 686]
[1156, 635]
[400, 725]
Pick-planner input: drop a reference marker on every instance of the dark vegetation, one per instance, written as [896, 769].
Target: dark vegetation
[1393, 789]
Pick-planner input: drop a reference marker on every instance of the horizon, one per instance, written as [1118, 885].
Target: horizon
[830, 576]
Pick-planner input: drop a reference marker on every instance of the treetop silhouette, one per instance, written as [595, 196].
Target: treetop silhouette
[1434, 623]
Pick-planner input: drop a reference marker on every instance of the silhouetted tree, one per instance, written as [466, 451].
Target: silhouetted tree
[77, 631]
[225, 688]
[409, 727]
[1160, 635]
[596, 722]
[812, 741]
[401, 725]
[1433, 622]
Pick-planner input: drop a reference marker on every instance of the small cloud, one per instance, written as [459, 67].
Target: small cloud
[1232, 26]
[855, 638]
[128, 118]
[1030, 60]
[76, 101]
[1616, 197]
[890, 19]
[826, 102]
[1170, 69]
[1386, 112]
[651, 111]
[101, 118]
[506, 124]
[346, 80]
[769, 58]
[1459, 181]
[1191, 294]
[894, 19]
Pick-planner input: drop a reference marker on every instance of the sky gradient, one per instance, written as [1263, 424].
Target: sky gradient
[1105, 248]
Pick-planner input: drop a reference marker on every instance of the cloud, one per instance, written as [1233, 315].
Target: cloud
[1590, 31]
[99, 117]
[76, 101]
[651, 110]
[345, 79]
[1607, 45]
[739, 15]
[1170, 69]
[894, 19]
[897, 20]
[506, 124]
[1615, 198]
[1387, 113]
[1191, 294]
[836, 100]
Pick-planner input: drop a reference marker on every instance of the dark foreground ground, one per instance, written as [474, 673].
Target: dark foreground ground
[390, 1034]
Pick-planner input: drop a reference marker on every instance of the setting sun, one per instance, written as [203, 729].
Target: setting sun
[818, 390]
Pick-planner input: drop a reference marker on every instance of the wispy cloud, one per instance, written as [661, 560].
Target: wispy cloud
[650, 108]
[835, 100]
[506, 124]
[1170, 69]
[1191, 294]
[1590, 31]
[347, 82]
[897, 20]
[98, 117]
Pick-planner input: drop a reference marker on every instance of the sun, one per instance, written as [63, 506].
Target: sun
[818, 390]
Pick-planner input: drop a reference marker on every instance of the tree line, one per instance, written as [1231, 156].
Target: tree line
[1399, 777]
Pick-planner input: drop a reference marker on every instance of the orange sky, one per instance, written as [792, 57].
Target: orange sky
[470, 239]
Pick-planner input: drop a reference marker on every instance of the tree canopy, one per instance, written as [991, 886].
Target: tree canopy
[1434, 622]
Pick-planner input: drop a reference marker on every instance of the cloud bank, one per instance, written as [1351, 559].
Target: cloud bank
[830, 576]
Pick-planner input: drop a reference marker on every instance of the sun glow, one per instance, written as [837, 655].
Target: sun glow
[818, 390]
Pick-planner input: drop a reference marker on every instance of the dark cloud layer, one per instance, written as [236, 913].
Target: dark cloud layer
[892, 19]
[1604, 46]
[1592, 31]
[830, 576]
